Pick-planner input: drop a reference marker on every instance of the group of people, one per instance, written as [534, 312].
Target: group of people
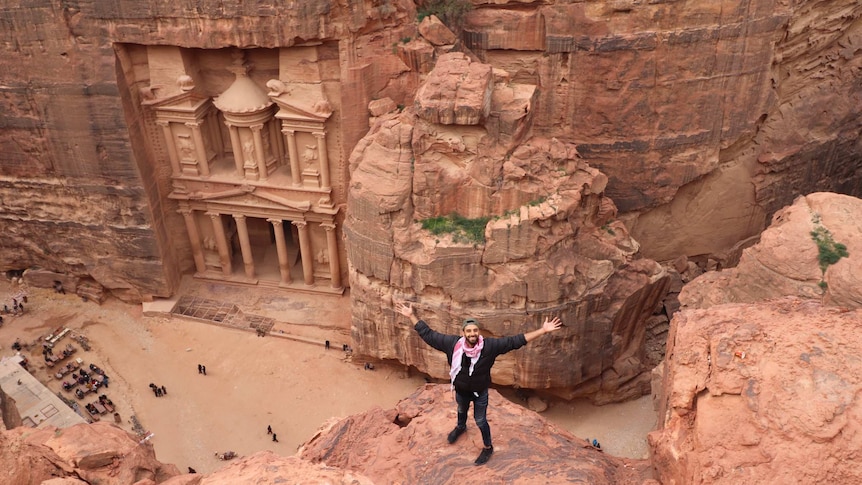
[202, 369]
[159, 391]
[269, 431]
[17, 307]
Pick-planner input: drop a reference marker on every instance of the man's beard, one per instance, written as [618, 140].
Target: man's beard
[473, 340]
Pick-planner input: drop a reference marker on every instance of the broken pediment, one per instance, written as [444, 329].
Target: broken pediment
[299, 102]
[245, 196]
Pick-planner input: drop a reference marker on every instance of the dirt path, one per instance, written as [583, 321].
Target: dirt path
[251, 382]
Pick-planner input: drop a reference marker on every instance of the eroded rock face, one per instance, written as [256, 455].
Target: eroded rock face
[761, 393]
[551, 246]
[786, 260]
[408, 444]
[703, 117]
[267, 467]
[94, 453]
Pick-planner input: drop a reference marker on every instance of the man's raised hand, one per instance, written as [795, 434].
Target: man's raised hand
[405, 309]
[551, 325]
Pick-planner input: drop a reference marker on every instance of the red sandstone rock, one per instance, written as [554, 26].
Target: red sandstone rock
[380, 107]
[761, 393]
[435, 32]
[267, 467]
[456, 92]
[94, 453]
[408, 445]
[785, 261]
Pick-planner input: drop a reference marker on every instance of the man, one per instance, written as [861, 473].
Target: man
[471, 357]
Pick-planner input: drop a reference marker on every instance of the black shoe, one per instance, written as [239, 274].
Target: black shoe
[484, 456]
[454, 434]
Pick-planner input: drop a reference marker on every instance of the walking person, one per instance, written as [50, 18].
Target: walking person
[204, 369]
[471, 357]
[200, 369]
[164, 391]
[268, 429]
[275, 437]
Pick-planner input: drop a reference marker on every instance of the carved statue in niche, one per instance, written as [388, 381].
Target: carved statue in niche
[248, 154]
[310, 154]
[187, 147]
[209, 243]
[322, 256]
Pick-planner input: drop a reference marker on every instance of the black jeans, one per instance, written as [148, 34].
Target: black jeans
[480, 408]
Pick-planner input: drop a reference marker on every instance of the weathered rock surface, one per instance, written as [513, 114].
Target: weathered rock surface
[551, 245]
[267, 467]
[456, 92]
[785, 261]
[761, 393]
[702, 117]
[94, 453]
[407, 444]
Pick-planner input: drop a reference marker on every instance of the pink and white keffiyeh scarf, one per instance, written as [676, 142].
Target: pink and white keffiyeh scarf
[457, 354]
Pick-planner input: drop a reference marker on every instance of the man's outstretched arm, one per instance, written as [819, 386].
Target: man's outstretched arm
[547, 327]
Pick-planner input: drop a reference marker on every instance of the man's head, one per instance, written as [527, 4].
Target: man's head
[470, 330]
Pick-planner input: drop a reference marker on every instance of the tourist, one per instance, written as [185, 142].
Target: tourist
[204, 369]
[268, 429]
[471, 357]
[275, 437]
[200, 369]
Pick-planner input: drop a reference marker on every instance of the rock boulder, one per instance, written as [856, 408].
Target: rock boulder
[761, 393]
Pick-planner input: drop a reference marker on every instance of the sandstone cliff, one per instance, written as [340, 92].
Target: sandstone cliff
[760, 379]
[548, 241]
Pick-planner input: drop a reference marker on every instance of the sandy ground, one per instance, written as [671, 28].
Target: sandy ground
[252, 382]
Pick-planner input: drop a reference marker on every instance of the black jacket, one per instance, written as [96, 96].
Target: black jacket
[481, 378]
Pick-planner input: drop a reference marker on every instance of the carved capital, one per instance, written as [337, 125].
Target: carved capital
[300, 224]
[163, 123]
[276, 223]
[319, 134]
[327, 226]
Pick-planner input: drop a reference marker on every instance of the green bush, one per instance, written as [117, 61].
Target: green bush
[461, 228]
[829, 251]
[450, 12]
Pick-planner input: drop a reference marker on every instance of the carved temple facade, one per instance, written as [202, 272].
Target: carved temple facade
[255, 168]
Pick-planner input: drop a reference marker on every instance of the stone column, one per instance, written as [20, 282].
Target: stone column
[200, 149]
[281, 246]
[323, 158]
[259, 155]
[277, 142]
[195, 239]
[244, 244]
[172, 147]
[236, 146]
[332, 246]
[305, 252]
[221, 242]
[294, 156]
[215, 132]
